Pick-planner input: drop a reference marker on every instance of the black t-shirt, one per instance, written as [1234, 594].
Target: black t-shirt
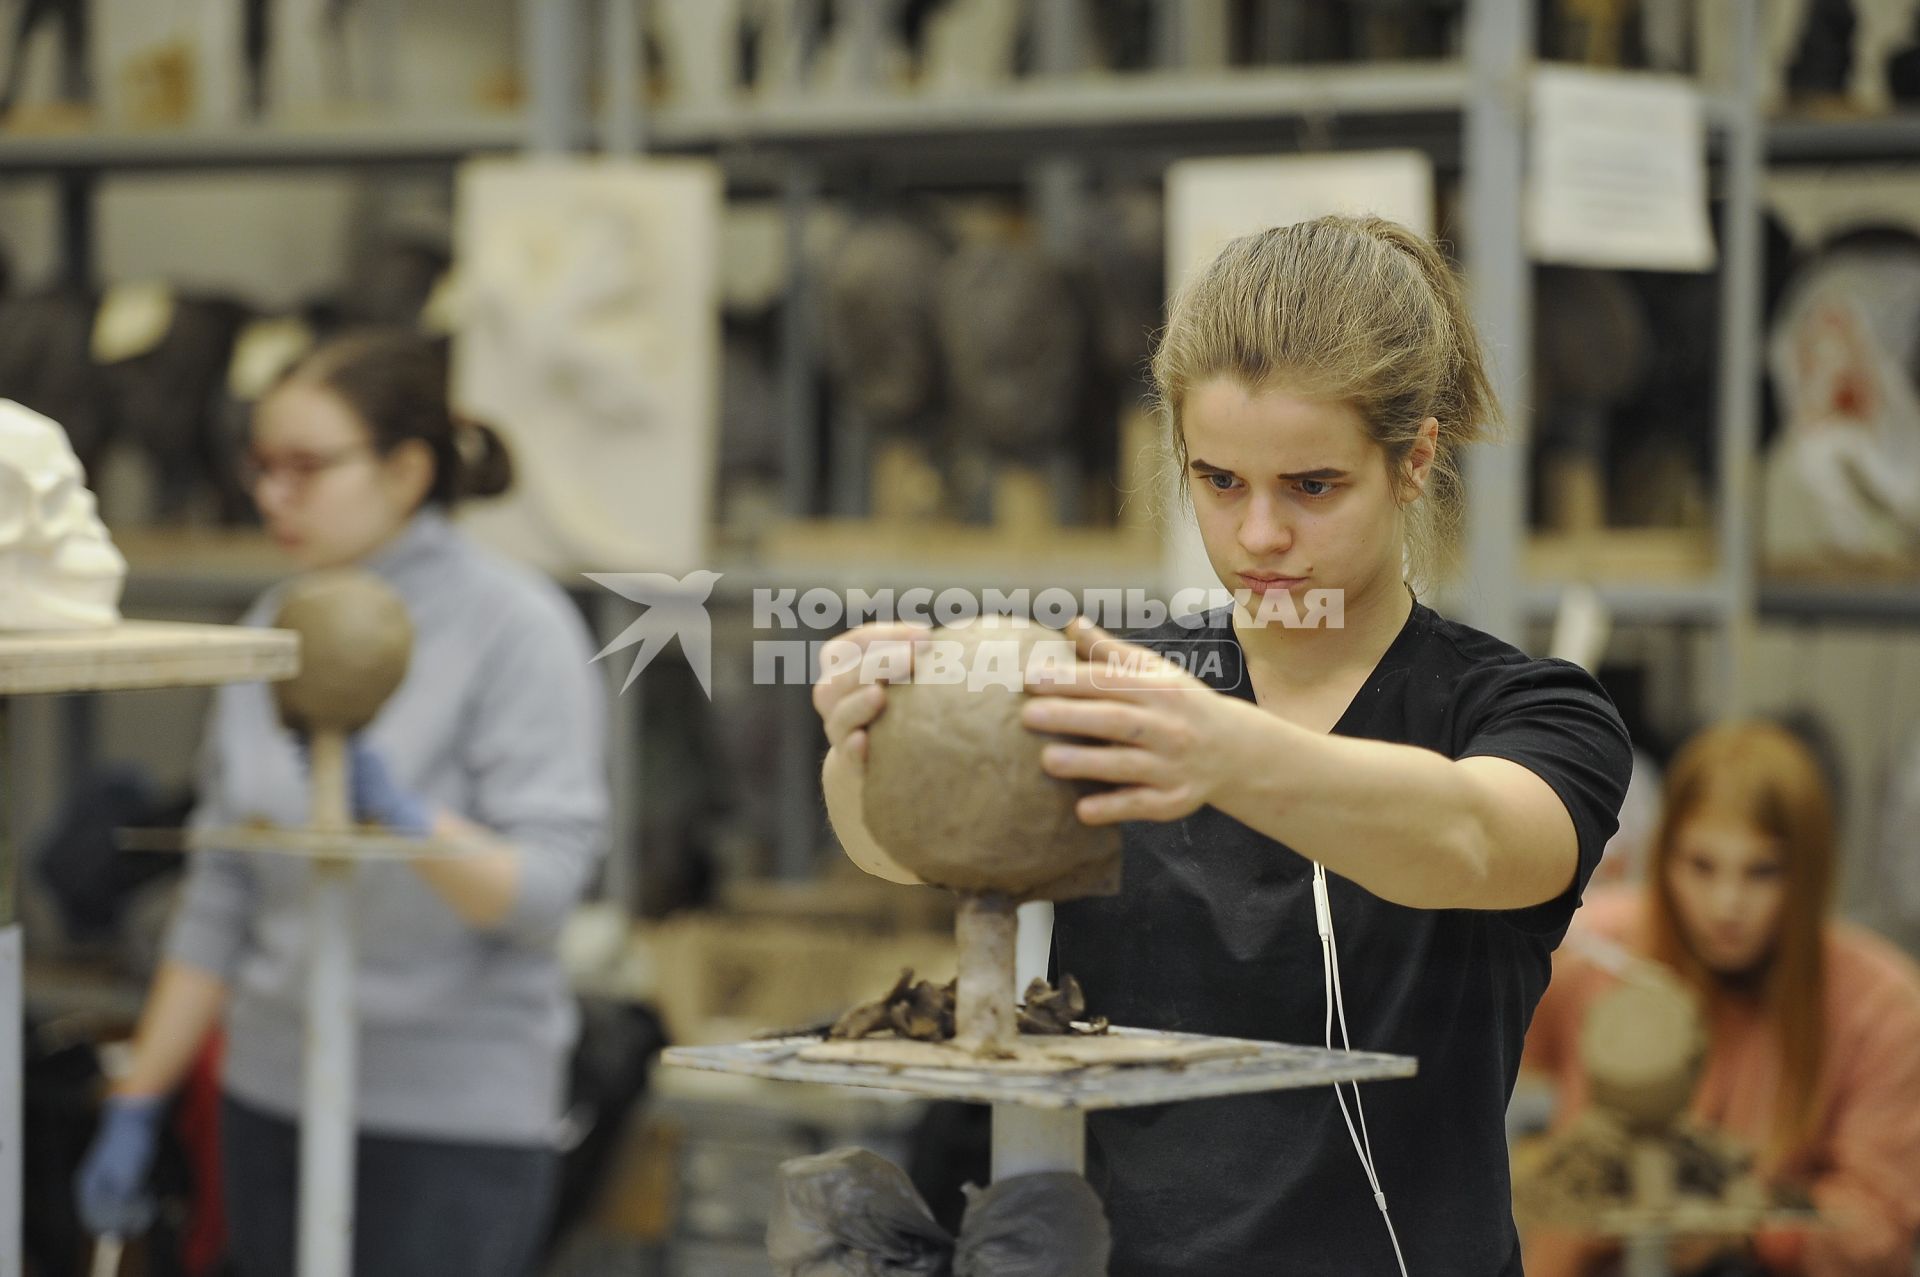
[1213, 932]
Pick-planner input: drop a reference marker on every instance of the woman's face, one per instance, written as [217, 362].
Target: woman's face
[327, 496]
[1728, 881]
[1291, 493]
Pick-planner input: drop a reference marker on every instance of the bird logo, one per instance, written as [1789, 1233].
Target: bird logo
[674, 608]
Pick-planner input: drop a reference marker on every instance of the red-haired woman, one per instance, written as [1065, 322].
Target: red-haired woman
[1814, 1025]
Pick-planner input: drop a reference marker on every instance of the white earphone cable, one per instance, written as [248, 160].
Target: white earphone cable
[1337, 1009]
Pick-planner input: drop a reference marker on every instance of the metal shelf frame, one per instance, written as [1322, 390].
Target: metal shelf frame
[1053, 112]
[1884, 139]
[345, 144]
[1046, 134]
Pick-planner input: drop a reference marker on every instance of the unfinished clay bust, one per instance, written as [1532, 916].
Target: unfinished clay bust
[58, 568]
[1643, 1045]
[954, 790]
[355, 639]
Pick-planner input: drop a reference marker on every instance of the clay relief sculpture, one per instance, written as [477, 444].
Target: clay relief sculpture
[1844, 475]
[587, 333]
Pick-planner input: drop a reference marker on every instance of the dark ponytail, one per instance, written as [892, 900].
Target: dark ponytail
[484, 465]
[396, 382]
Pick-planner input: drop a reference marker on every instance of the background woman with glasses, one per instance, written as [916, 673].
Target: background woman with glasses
[494, 737]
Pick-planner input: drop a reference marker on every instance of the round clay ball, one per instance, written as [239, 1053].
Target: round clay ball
[1643, 1045]
[355, 639]
[954, 790]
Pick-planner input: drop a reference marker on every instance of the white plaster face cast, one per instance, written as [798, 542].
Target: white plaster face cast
[58, 568]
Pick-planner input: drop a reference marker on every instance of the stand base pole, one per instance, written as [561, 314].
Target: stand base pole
[1028, 1140]
[328, 1116]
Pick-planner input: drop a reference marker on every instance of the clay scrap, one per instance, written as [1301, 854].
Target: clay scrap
[921, 1011]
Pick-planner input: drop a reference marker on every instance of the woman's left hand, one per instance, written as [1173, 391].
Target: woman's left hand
[1165, 736]
[378, 798]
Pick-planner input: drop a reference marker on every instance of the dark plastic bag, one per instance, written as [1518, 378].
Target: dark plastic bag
[852, 1213]
[1045, 1225]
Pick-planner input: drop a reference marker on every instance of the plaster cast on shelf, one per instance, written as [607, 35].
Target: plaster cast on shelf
[970, 44]
[588, 333]
[701, 45]
[862, 52]
[59, 569]
[1844, 476]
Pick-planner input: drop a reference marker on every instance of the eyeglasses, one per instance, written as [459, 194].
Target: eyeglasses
[299, 469]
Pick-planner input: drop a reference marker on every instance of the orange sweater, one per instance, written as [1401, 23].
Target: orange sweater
[1862, 1168]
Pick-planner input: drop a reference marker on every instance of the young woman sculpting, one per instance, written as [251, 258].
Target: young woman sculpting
[1319, 382]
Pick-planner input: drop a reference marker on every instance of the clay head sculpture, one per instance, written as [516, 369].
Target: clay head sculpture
[1643, 1045]
[954, 790]
[355, 640]
[1016, 344]
[58, 568]
[878, 325]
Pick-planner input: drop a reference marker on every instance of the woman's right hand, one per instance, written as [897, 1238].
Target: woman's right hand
[110, 1190]
[851, 690]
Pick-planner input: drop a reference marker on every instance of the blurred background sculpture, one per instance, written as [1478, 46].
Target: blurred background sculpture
[1635, 1161]
[1844, 476]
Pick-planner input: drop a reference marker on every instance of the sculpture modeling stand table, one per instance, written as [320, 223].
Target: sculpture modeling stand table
[1040, 1107]
[133, 654]
[330, 1058]
[1646, 1236]
[1656, 1212]
[1039, 1116]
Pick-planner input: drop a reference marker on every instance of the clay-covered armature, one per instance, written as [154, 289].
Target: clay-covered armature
[1644, 1045]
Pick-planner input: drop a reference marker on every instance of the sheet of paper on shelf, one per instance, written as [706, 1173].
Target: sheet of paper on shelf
[1618, 171]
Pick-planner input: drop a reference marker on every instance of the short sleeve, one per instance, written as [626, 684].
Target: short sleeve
[1554, 719]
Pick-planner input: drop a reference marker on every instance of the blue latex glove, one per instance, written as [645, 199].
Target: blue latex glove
[111, 1189]
[377, 800]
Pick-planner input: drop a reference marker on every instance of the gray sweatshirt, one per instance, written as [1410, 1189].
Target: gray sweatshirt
[464, 1033]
